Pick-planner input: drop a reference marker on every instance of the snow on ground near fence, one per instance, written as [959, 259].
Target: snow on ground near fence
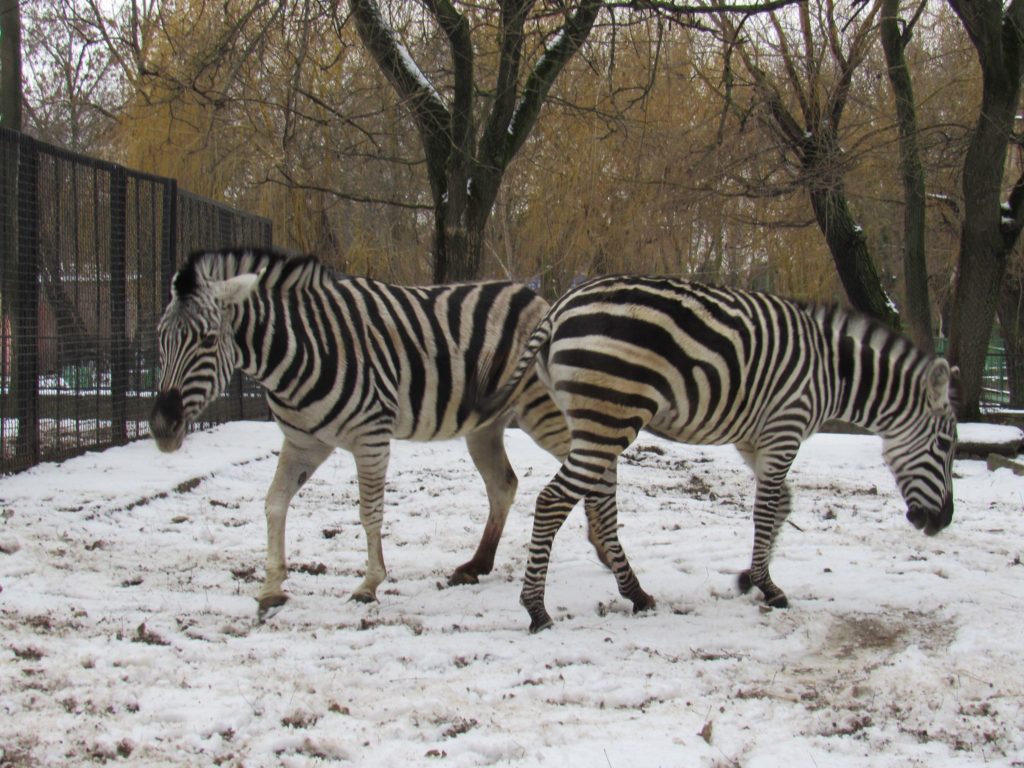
[127, 610]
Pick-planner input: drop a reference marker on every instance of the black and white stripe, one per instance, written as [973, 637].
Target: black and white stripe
[351, 363]
[710, 365]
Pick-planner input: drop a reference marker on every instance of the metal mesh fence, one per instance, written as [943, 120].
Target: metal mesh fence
[995, 381]
[88, 252]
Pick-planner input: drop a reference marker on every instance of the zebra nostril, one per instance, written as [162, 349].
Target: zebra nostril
[917, 517]
[168, 415]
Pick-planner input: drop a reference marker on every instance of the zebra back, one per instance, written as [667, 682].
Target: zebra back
[720, 363]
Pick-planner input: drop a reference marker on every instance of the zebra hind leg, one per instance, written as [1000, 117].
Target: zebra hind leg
[770, 510]
[553, 506]
[487, 450]
[602, 515]
[538, 415]
[580, 476]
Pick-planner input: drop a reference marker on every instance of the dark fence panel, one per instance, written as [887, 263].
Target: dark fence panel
[87, 252]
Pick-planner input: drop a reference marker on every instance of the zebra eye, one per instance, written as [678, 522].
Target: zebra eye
[209, 341]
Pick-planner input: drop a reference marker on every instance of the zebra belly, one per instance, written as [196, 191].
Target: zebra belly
[671, 425]
[350, 430]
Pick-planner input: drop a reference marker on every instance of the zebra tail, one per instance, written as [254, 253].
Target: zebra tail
[489, 406]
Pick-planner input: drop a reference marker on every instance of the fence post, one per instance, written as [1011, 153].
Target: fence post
[25, 317]
[118, 307]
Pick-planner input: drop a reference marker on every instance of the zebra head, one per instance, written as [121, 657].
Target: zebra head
[197, 350]
[920, 453]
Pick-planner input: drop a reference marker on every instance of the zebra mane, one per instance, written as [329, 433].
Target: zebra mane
[869, 331]
[203, 267]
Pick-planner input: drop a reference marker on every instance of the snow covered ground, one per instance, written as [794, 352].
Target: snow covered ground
[127, 610]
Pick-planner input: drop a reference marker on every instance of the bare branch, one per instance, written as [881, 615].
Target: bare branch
[290, 182]
[558, 52]
[702, 9]
[429, 112]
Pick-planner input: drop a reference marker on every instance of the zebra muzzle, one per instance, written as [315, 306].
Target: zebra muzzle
[931, 522]
[167, 421]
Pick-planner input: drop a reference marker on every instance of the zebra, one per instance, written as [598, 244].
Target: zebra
[709, 365]
[350, 362]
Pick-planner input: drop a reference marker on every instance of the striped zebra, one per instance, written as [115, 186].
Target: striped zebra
[709, 365]
[351, 363]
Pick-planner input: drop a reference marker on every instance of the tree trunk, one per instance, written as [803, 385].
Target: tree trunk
[16, 304]
[849, 249]
[989, 231]
[983, 247]
[916, 307]
[464, 170]
[812, 134]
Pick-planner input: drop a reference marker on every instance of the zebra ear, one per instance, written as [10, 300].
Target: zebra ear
[937, 379]
[235, 290]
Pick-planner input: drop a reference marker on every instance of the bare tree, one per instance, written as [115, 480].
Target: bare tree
[896, 34]
[802, 74]
[991, 227]
[468, 149]
[74, 88]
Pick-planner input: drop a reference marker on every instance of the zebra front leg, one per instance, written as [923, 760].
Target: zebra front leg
[602, 517]
[295, 466]
[372, 467]
[487, 450]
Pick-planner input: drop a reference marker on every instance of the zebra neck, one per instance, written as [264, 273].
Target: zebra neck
[877, 371]
[273, 337]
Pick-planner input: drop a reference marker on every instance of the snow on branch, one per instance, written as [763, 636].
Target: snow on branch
[558, 51]
[399, 67]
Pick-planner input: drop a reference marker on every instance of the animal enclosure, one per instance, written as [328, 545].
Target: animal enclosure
[89, 248]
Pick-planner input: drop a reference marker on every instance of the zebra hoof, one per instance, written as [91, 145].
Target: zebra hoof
[540, 623]
[644, 603]
[778, 601]
[363, 597]
[463, 575]
[269, 607]
[744, 582]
